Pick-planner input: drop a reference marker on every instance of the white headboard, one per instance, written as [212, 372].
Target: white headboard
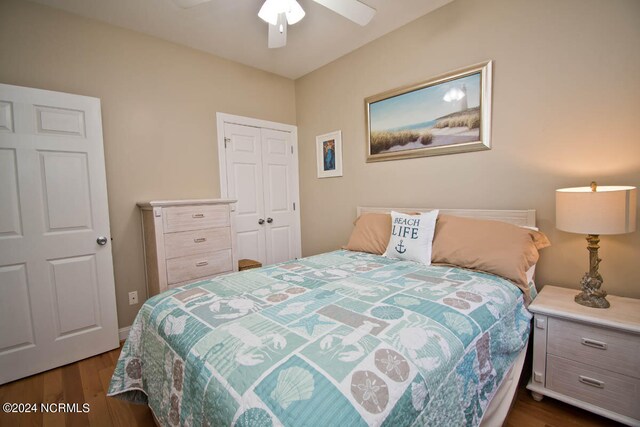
[526, 217]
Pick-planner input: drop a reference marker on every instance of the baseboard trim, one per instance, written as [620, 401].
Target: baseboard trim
[123, 333]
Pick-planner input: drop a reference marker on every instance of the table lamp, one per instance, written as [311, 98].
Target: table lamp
[594, 211]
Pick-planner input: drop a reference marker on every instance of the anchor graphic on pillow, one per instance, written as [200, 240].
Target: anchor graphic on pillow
[400, 248]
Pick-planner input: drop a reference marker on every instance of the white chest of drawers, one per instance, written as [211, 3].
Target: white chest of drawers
[187, 240]
[587, 357]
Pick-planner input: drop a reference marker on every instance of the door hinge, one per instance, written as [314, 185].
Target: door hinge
[225, 142]
[292, 149]
[294, 206]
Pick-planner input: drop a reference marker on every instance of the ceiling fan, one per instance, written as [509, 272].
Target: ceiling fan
[280, 13]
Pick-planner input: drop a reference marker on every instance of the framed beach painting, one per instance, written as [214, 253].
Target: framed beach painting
[329, 154]
[450, 113]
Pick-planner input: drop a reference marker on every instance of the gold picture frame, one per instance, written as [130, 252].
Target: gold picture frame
[447, 114]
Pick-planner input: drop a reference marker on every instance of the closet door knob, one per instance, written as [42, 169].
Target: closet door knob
[261, 221]
[101, 240]
[269, 220]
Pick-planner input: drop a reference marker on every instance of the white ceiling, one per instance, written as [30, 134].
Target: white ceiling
[231, 28]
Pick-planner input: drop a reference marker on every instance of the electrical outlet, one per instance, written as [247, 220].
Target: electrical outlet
[133, 298]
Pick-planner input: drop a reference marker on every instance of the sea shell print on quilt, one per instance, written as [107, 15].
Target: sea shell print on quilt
[338, 339]
[293, 384]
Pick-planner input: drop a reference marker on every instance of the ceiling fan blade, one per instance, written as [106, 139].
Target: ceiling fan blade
[353, 10]
[278, 32]
[186, 4]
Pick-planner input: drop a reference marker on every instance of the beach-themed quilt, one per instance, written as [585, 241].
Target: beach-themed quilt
[338, 339]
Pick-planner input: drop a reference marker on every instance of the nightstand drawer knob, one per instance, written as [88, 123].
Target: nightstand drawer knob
[593, 343]
[591, 382]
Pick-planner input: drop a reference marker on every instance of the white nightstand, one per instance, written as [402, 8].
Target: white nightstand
[587, 357]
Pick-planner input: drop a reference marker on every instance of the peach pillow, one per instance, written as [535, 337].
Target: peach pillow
[371, 234]
[494, 247]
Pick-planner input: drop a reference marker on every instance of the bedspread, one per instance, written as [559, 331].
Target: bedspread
[338, 339]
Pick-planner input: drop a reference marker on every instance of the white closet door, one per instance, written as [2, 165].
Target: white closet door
[278, 173]
[57, 298]
[244, 183]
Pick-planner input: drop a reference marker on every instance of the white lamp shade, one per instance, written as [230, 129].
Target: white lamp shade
[608, 210]
[272, 8]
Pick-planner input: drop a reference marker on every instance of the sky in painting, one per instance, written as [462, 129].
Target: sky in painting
[421, 105]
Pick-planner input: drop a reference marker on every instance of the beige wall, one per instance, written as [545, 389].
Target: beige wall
[566, 101]
[159, 102]
[566, 108]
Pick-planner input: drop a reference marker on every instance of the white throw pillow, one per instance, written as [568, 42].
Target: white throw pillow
[412, 236]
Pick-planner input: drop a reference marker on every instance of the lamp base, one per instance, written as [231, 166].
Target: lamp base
[590, 300]
[592, 295]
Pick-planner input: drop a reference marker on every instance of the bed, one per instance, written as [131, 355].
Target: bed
[338, 339]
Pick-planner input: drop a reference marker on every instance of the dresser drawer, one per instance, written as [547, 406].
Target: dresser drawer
[614, 350]
[186, 218]
[196, 242]
[597, 386]
[199, 279]
[196, 266]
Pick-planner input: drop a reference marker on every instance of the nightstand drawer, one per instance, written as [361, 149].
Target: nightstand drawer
[613, 350]
[196, 266]
[186, 218]
[196, 242]
[593, 385]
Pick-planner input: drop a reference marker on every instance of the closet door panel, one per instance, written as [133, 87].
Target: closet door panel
[245, 184]
[277, 161]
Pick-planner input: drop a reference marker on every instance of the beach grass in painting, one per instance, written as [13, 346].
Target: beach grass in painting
[442, 114]
[382, 141]
[469, 118]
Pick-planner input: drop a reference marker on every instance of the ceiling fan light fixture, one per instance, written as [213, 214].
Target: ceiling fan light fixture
[272, 8]
[295, 12]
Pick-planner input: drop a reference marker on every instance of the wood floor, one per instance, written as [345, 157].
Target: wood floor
[87, 381]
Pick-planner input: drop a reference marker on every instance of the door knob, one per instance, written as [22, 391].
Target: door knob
[269, 220]
[261, 221]
[101, 240]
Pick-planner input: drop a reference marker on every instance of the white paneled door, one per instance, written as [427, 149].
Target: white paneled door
[261, 174]
[244, 183]
[57, 297]
[278, 176]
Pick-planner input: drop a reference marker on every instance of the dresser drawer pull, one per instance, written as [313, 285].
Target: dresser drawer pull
[593, 343]
[591, 382]
[201, 263]
[198, 215]
[200, 240]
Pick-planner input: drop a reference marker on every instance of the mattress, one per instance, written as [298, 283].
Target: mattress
[337, 339]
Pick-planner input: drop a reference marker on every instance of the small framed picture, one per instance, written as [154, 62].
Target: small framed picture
[329, 154]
